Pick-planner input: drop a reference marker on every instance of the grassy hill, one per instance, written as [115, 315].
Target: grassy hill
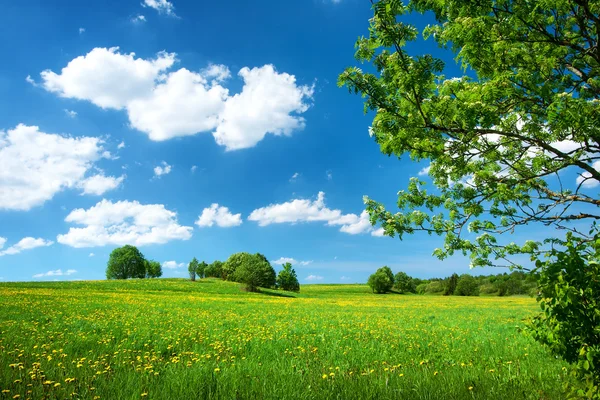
[176, 339]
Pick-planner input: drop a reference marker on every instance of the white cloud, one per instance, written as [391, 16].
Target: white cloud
[304, 210]
[425, 171]
[58, 272]
[26, 243]
[219, 215]
[121, 145]
[123, 222]
[91, 255]
[194, 168]
[329, 175]
[265, 105]
[284, 260]
[172, 265]
[138, 19]
[2, 242]
[183, 105]
[585, 179]
[100, 184]
[377, 232]
[81, 30]
[294, 177]
[107, 78]
[313, 278]
[162, 169]
[178, 103]
[70, 113]
[162, 6]
[34, 165]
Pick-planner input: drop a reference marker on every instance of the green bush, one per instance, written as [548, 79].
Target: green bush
[434, 287]
[421, 288]
[488, 288]
[467, 286]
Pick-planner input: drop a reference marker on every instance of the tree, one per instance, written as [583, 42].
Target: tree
[404, 283]
[214, 270]
[386, 270]
[287, 279]
[201, 270]
[254, 270]
[451, 285]
[126, 262]
[153, 269]
[498, 144]
[380, 281]
[192, 268]
[233, 263]
[467, 286]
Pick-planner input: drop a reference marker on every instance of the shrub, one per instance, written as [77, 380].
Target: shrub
[421, 288]
[467, 286]
[434, 287]
[287, 279]
[488, 288]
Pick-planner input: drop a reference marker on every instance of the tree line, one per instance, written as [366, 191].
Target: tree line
[505, 284]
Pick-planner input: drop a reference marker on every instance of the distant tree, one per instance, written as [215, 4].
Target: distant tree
[254, 271]
[201, 270]
[404, 283]
[214, 270]
[386, 270]
[287, 279]
[451, 285]
[153, 269]
[233, 263]
[380, 282]
[192, 268]
[126, 262]
[434, 287]
[467, 286]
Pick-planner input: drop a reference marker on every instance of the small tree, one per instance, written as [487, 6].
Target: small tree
[126, 262]
[201, 270]
[451, 285]
[192, 268]
[404, 283]
[287, 279]
[153, 269]
[380, 282]
[255, 271]
[467, 286]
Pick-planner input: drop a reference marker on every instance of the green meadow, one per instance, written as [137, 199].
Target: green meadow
[172, 338]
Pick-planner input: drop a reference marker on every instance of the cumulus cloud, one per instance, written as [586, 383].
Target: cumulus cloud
[100, 184]
[219, 215]
[304, 210]
[167, 104]
[194, 168]
[378, 232]
[313, 278]
[123, 222]
[284, 260]
[57, 272]
[34, 166]
[172, 265]
[26, 243]
[162, 169]
[121, 145]
[329, 175]
[81, 30]
[162, 6]
[294, 177]
[425, 171]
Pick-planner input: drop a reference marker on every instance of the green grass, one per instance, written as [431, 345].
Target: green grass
[175, 339]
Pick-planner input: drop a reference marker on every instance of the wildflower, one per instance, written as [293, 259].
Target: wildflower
[217, 369]
[324, 376]
[470, 387]
[144, 394]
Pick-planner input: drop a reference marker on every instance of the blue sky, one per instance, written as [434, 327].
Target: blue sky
[224, 132]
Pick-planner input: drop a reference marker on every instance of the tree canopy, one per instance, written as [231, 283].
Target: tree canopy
[126, 262]
[287, 279]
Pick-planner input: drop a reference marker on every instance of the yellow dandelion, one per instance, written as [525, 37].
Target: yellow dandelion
[470, 387]
[324, 376]
[217, 369]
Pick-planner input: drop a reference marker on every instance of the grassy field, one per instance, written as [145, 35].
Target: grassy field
[175, 339]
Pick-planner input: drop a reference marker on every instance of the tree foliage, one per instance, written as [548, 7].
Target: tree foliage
[505, 141]
[404, 283]
[193, 268]
[380, 281]
[466, 286]
[214, 270]
[153, 269]
[287, 279]
[253, 270]
[451, 285]
[126, 262]
[201, 270]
